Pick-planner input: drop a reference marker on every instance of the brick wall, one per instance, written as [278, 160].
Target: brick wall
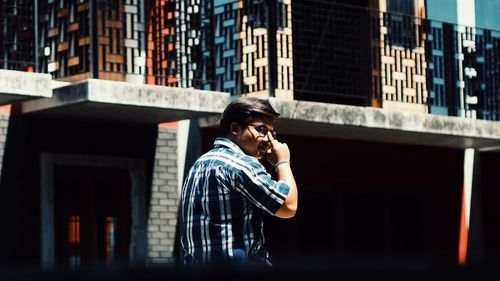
[4, 124]
[164, 200]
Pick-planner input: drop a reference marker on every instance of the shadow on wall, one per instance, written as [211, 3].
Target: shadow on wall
[27, 138]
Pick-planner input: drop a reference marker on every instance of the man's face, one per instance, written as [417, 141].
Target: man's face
[253, 139]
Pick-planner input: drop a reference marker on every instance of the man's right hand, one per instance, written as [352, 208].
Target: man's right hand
[278, 151]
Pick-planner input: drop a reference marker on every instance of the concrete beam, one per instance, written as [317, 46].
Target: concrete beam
[18, 86]
[112, 100]
[375, 124]
[115, 101]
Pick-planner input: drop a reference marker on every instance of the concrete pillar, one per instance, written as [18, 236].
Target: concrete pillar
[4, 126]
[471, 248]
[164, 200]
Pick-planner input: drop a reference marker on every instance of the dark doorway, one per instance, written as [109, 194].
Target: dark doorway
[92, 216]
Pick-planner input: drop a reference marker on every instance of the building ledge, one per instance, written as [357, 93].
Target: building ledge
[376, 124]
[16, 86]
[129, 102]
[122, 101]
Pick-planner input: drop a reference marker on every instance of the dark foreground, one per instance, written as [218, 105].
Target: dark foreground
[242, 274]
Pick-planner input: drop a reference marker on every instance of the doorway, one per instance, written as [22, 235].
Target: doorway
[92, 216]
[93, 210]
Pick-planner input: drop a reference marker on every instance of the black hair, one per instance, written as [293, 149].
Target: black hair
[244, 110]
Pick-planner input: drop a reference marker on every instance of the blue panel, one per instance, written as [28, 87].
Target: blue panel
[218, 10]
[229, 22]
[224, 2]
[438, 110]
[487, 14]
[437, 24]
[437, 52]
[229, 53]
[442, 10]
[439, 81]
[220, 70]
[229, 84]
[219, 40]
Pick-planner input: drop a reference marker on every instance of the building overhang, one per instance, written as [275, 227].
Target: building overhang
[376, 124]
[121, 101]
[17, 86]
[316, 119]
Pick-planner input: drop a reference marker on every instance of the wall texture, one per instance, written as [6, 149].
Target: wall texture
[164, 200]
[4, 124]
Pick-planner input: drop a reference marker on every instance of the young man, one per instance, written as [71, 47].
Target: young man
[228, 190]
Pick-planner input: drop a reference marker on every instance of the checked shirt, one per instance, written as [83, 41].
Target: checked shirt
[223, 200]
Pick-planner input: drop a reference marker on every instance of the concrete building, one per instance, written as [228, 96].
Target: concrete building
[92, 168]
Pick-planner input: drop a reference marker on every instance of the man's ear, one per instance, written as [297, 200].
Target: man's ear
[234, 129]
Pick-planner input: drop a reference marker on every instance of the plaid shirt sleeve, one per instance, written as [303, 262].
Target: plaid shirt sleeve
[254, 183]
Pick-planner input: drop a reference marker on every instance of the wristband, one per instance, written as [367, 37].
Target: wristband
[279, 163]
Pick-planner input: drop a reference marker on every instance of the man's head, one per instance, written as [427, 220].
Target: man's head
[247, 121]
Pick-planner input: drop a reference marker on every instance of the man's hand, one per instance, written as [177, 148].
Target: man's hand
[278, 151]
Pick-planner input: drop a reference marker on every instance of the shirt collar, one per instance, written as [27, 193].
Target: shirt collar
[225, 142]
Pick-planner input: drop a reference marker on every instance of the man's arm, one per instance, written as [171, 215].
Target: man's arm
[281, 152]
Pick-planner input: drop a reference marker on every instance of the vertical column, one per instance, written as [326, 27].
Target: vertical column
[470, 247]
[466, 23]
[272, 49]
[4, 126]
[93, 54]
[164, 201]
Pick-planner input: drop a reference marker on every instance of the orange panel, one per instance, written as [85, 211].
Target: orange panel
[5, 109]
[84, 41]
[464, 233]
[73, 61]
[62, 13]
[83, 7]
[73, 27]
[62, 46]
[174, 124]
[172, 80]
